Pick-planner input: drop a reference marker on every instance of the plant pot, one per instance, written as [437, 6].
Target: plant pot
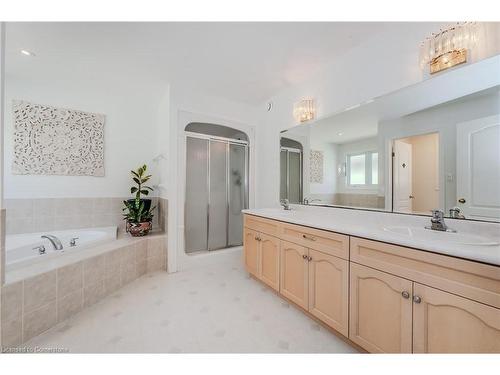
[139, 229]
[147, 203]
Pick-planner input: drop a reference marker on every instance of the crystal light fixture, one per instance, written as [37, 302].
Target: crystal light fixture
[304, 110]
[448, 47]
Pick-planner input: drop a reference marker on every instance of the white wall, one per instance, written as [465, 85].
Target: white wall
[383, 64]
[129, 133]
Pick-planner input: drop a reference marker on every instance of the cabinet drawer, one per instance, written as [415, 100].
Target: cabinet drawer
[473, 280]
[327, 242]
[262, 225]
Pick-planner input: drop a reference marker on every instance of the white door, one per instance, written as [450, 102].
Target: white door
[402, 177]
[478, 168]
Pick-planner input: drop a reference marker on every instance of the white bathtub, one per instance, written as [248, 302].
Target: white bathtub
[21, 248]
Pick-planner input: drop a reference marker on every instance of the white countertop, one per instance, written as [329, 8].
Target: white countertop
[373, 225]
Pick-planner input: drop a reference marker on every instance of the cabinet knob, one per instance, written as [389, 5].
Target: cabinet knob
[304, 256]
[461, 200]
[405, 294]
[417, 299]
[309, 258]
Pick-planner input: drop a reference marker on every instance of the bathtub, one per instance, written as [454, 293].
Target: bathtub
[20, 249]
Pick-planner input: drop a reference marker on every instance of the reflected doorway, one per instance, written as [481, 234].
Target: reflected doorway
[416, 174]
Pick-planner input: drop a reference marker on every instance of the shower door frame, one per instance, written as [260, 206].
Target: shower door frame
[228, 142]
[300, 152]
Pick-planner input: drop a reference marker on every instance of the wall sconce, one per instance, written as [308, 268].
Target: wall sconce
[448, 47]
[304, 110]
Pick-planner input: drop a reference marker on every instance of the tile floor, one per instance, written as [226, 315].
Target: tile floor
[210, 307]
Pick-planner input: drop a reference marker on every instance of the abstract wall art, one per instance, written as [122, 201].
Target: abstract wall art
[57, 141]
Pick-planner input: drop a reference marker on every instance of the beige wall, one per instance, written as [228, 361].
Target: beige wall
[425, 171]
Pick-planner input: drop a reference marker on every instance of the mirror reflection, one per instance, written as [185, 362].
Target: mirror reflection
[411, 151]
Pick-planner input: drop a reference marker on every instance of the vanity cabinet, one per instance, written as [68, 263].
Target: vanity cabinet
[380, 311]
[261, 253]
[385, 298]
[329, 290]
[317, 282]
[446, 323]
[251, 251]
[294, 275]
[269, 263]
[394, 312]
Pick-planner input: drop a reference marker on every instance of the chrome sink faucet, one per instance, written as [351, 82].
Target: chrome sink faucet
[54, 241]
[437, 222]
[286, 204]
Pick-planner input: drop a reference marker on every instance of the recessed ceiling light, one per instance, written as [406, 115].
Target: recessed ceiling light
[27, 53]
[340, 133]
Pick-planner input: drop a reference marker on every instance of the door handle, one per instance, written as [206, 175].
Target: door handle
[461, 200]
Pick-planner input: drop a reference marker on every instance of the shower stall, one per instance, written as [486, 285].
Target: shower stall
[216, 187]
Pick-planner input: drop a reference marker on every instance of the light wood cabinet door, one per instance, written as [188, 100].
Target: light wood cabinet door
[380, 316]
[293, 273]
[446, 323]
[251, 251]
[269, 260]
[329, 290]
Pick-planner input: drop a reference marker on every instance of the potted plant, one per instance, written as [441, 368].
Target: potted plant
[140, 177]
[138, 213]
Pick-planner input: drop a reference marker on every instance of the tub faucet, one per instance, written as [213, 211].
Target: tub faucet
[54, 241]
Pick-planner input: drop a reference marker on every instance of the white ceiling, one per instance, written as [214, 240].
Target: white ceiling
[247, 62]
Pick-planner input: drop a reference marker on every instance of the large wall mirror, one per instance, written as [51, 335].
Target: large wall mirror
[434, 145]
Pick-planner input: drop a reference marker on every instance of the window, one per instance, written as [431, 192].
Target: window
[362, 169]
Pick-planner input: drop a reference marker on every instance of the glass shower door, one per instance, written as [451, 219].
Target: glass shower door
[294, 177]
[217, 218]
[197, 195]
[237, 193]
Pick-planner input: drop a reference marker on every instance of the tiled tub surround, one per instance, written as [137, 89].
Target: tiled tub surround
[46, 214]
[59, 289]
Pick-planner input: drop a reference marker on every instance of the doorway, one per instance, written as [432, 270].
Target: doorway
[416, 174]
[216, 187]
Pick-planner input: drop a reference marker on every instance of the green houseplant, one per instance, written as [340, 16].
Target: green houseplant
[138, 213]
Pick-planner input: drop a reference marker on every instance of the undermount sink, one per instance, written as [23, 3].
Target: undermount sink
[433, 235]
